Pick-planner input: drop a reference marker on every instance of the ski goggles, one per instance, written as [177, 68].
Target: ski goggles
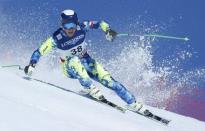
[68, 26]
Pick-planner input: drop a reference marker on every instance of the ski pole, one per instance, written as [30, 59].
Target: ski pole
[11, 66]
[155, 35]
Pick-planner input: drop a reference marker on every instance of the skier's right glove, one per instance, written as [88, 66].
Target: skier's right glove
[29, 69]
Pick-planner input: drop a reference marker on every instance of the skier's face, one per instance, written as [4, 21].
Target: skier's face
[69, 28]
[70, 32]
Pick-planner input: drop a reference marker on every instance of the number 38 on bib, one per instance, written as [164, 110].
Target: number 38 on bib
[79, 50]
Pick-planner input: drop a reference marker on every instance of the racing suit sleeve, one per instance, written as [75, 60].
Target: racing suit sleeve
[87, 25]
[47, 46]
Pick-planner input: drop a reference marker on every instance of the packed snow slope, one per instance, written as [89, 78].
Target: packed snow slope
[27, 105]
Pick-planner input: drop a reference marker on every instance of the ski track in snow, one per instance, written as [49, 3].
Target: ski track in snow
[30, 105]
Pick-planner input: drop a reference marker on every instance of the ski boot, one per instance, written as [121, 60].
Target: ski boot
[139, 108]
[94, 92]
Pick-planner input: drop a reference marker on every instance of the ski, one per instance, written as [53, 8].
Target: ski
[107, 102]
[153, 116]
[102, 101]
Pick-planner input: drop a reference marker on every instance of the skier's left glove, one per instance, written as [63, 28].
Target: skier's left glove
[110, 34]
[29, 69]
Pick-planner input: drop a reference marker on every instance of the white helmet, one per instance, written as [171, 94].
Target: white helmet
[69, 16]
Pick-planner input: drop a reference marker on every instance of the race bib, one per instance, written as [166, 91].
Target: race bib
[79, 50]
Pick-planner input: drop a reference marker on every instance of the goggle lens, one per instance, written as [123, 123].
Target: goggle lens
[68, 26]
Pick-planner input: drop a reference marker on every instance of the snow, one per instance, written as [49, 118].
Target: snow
[33, 106]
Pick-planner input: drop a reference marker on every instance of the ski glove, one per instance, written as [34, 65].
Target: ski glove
[110, 35]
[29, 69]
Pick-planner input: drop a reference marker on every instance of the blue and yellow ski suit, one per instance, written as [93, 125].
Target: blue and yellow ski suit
[78, 64]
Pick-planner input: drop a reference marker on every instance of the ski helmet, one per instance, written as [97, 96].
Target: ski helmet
[69, 16]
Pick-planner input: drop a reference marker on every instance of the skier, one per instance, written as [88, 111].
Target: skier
[77, 63]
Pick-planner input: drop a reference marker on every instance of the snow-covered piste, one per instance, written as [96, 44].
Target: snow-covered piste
[34, 106]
